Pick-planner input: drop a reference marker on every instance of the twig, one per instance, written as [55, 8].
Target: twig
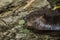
[27, 5]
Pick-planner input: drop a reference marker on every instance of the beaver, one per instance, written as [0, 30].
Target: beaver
[43, 19]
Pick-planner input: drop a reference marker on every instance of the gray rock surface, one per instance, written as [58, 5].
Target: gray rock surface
[5, 2]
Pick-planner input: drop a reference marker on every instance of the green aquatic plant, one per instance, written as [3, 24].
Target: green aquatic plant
[25, 31]
[21, 22]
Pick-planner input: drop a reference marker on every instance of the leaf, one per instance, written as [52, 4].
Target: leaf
[25, 31]
[21, 22]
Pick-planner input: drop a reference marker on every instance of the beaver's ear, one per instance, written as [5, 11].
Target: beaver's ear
[29, 23]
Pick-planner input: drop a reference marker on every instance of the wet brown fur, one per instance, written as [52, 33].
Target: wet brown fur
[47, 16]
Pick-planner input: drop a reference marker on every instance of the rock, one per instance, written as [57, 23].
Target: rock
[5, 2]
[40, 3]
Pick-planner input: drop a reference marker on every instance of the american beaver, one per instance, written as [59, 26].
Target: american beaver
[43, 19]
